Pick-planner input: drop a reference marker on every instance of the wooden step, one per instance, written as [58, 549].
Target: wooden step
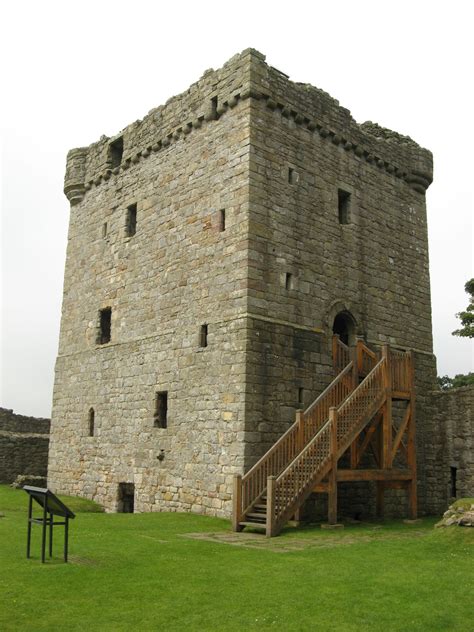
[257, 516]
[255, 525]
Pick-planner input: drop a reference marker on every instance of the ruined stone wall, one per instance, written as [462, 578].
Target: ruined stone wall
[182, 165]
[305, 266]
[453, 443]
[23, 445]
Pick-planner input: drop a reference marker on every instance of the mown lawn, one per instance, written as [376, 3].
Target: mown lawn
[140, 572]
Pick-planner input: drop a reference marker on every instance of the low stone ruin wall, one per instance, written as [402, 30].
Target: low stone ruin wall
[24, 443]
[454, 417]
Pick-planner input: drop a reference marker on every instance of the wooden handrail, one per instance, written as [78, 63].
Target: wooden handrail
[296, 481]
[340, 354]
[273, 462]
[366, 358]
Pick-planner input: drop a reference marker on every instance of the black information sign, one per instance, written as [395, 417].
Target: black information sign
[51, 506]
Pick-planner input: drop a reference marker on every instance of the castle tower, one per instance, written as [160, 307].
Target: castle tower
[214, 247]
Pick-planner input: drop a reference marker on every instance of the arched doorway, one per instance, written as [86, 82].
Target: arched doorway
[344, 327]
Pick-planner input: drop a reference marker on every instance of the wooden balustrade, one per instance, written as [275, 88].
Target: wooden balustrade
[254, 482]
[366, 358]
[310, 448]
[297, 480]
[400, 365]
[341, 355]
[359, 403]
[317, 414]
[295, 483]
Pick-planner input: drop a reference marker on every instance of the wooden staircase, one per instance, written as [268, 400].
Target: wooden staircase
[353, 413]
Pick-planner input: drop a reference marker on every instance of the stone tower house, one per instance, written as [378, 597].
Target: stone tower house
[214, 247]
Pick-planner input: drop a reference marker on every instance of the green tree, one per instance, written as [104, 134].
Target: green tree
[446, 382]
[467, 317]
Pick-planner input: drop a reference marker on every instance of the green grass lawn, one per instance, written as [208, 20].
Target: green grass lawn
[140, 572]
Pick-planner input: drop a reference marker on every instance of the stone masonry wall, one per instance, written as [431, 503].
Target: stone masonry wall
[304, 148]
[178, 272]
[453, 443]
[23, 445]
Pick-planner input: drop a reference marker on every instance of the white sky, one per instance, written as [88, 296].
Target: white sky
[72, 71]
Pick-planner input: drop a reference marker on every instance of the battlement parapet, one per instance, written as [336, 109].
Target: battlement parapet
[244, 76]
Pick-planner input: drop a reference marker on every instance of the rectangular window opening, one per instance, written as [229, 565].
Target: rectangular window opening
[222, 220]
[214, 107]
[344, 206]
[293, 176]
[203, 336]
[300, 395]
[454, 472]
[288, 281]
[115, 152]
[105, 325]
[104, 230]
[131, 224]
[161, 410]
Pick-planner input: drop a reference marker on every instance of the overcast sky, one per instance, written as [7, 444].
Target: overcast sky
[72, 71]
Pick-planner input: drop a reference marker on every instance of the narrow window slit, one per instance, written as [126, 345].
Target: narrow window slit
[454, 472]
[203, 336]
[344, 206]
[160, 419]
[105, 325]
[222, 220]
[288, 281]
[91, 422]
[131, 223]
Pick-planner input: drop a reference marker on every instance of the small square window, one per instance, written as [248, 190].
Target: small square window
[160, 419]
[131, 220]
[105, 325]
[344, 206]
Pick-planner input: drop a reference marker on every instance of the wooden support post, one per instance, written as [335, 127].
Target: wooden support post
[355, 383]
[270, 529]
[411, 445]
[380, 499]
[332, 488]
[301, 438]
[237, 503]
[387, 412]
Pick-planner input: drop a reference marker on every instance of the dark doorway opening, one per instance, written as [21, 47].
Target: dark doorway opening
[126, 500]
[344, 327]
